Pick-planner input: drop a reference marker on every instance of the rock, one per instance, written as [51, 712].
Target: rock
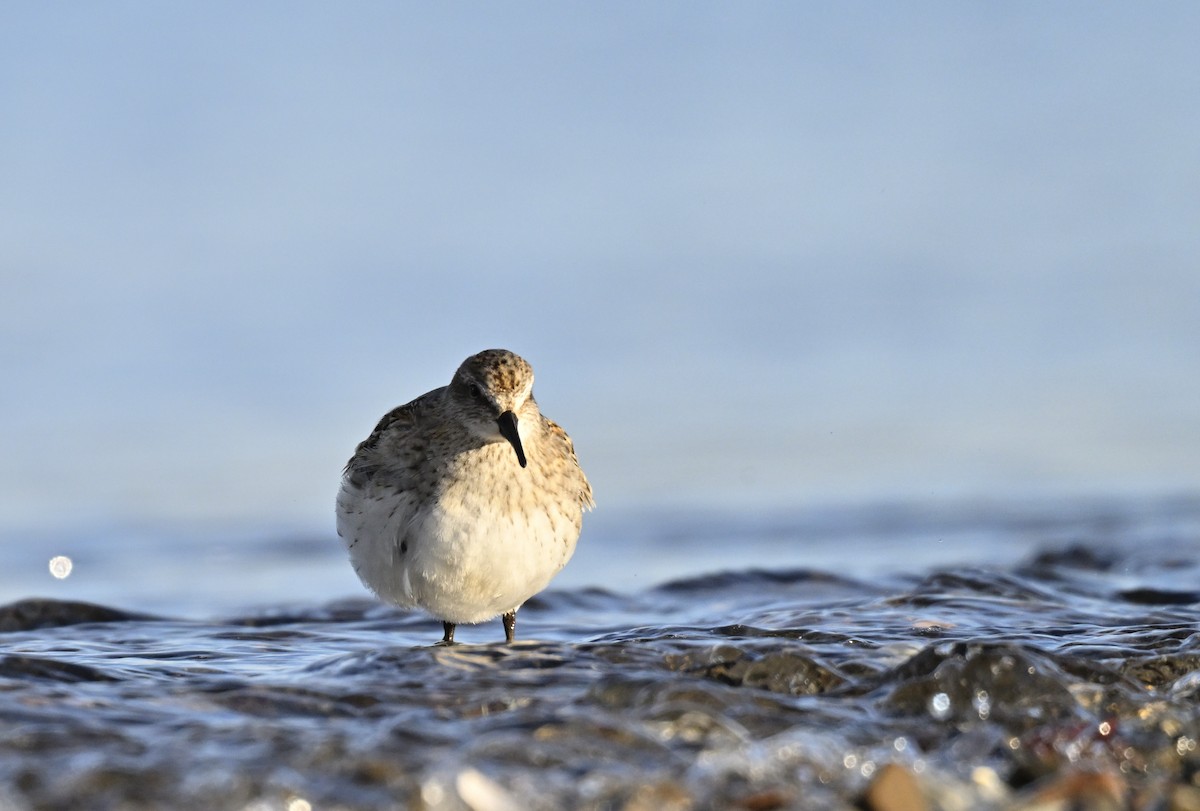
[34, 613]
[481, 793]
[1089, 790]
[1184, 798]
[664, 796]
[894, 788]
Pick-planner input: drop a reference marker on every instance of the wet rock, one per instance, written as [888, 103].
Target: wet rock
[788, 672]
[34, 613]
[481, 793]
[1014, 685]
[1082, 556]
[1159, 672]
[758, 579]
[938, 587]
[1153, 596]
[894, 788]
[290, 701]
[768, 800]
[660, 796]
[43, 668]
[1184, 798]
[1086, 790]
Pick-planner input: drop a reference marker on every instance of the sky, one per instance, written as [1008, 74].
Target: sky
[764, 254]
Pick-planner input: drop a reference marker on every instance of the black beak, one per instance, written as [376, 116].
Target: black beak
[508, 430]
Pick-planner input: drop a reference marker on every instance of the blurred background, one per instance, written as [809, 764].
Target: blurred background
[767, 260]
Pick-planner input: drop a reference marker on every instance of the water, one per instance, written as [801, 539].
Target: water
[1055, 654]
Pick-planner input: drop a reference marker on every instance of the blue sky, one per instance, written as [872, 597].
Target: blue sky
[758, 254]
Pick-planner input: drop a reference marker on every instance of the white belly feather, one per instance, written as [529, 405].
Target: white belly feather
[461, 558]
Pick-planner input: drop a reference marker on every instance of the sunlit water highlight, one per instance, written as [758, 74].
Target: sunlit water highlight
[1072, 672]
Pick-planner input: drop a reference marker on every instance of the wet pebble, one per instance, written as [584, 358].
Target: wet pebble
[894, 788]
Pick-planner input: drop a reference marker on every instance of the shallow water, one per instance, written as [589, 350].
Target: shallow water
[1071, 673]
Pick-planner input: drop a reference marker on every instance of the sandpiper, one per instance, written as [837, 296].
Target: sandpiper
[466, 501]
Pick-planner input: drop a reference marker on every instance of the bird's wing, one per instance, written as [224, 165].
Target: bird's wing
[396, 447]
[556, 434]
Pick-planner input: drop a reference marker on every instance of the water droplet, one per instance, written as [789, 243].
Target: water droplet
[939, 706]
[60, 566]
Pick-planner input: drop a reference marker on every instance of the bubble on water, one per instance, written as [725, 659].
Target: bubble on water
[939, 706]
[60, 566]
[433, 793]
[982, 704]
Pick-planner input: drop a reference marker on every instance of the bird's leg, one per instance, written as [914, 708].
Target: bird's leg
[448, 637]
[510, 625]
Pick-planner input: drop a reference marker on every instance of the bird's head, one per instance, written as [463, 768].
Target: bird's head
[492, 393]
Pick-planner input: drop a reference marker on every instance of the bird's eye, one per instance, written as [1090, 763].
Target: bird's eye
[478, 393]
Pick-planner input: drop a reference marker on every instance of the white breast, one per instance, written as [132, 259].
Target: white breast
[466, 557]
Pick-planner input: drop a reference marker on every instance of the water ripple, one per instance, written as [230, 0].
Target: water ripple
[796, 689]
